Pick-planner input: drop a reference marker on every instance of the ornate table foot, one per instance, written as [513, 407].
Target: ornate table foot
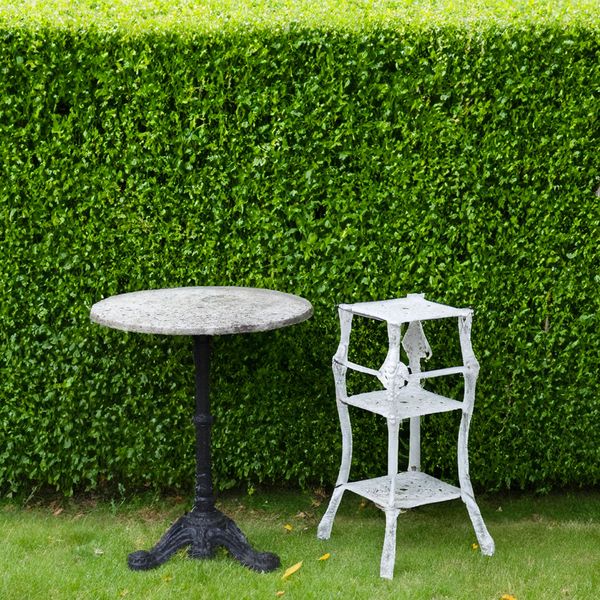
[204, 532]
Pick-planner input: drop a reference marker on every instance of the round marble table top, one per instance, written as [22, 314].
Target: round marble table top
[201, 310]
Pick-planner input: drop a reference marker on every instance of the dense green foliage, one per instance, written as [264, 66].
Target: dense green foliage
[193, 16]
[339, 164]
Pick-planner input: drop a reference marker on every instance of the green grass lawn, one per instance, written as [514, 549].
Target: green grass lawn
[546, 548]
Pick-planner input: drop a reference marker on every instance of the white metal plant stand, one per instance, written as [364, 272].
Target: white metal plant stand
[405, 398]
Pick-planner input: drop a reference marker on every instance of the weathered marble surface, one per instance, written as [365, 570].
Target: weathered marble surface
[201, 310]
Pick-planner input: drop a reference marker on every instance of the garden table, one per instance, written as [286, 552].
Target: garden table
[202, 312]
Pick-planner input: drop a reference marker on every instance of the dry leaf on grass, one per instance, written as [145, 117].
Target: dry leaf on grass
[291, 570]
[325, 556]
[288, 527]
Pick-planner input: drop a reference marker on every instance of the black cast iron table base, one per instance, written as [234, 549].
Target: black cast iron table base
[204, 528]
[204, 532]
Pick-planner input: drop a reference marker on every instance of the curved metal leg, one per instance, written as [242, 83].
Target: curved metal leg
[393, 426]
[485, 540]
[203, 532]
[388, 556]
[179, 535]
[230, 537]
[486, 543]
[326, 524]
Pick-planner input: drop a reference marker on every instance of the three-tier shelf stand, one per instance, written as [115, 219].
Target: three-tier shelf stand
[404, 397]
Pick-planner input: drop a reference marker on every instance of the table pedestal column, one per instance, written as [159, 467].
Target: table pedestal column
[204, 528]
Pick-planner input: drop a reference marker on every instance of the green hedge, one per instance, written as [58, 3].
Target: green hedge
[455, 157]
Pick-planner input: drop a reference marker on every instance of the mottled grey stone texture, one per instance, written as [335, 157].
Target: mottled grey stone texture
[201, 310]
